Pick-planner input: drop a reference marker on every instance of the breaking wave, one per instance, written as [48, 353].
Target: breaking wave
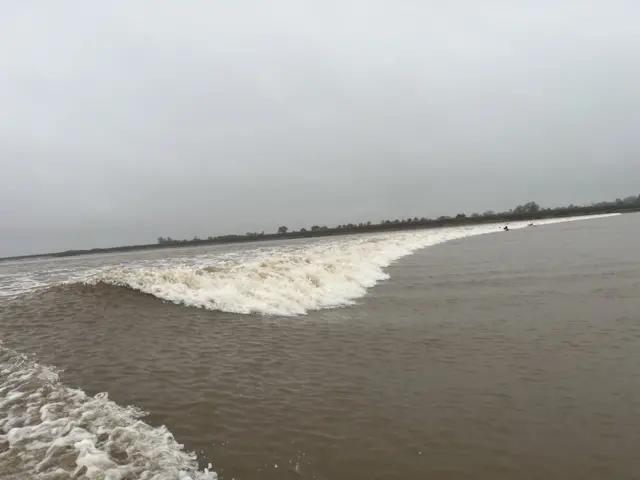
[286, 281]
[51, 431]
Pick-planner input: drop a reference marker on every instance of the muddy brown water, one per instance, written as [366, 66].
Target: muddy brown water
[506, 356]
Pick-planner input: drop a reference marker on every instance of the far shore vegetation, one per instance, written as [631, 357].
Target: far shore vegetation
[527, 212]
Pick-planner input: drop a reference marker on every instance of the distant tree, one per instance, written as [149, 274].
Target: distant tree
[475, 215]
[303, 230]
[461, 216]
[315, 228]
[529, 207]
[282, 230]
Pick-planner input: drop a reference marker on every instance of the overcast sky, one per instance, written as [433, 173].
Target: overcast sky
[124, 120]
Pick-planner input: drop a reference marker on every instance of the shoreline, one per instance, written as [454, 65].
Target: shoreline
[324, 232]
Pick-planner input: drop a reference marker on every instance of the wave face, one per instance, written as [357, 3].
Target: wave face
[287, 280]
[55, 432]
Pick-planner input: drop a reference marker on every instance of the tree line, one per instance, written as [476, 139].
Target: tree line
[527, 211]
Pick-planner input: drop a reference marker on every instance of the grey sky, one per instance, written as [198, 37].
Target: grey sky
[124, 120]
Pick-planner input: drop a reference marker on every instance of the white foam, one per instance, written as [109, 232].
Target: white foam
[53, 431]
[288, 280]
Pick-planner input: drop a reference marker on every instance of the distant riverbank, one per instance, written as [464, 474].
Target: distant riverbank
[529, 211]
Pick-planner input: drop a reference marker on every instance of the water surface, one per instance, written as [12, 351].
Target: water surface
[504, 356]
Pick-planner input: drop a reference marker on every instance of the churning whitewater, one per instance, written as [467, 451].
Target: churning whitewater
[286, 280]
[52, 431]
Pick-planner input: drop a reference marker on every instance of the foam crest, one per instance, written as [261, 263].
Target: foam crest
[53, 431]
[286, 281]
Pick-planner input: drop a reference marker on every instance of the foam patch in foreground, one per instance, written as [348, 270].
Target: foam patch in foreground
[50, 431]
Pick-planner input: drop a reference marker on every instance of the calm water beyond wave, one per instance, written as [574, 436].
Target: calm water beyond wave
[463, 353]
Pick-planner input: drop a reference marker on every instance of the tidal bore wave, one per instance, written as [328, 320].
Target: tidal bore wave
[286, 281]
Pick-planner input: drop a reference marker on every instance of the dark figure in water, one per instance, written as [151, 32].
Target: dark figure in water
[506, 228]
